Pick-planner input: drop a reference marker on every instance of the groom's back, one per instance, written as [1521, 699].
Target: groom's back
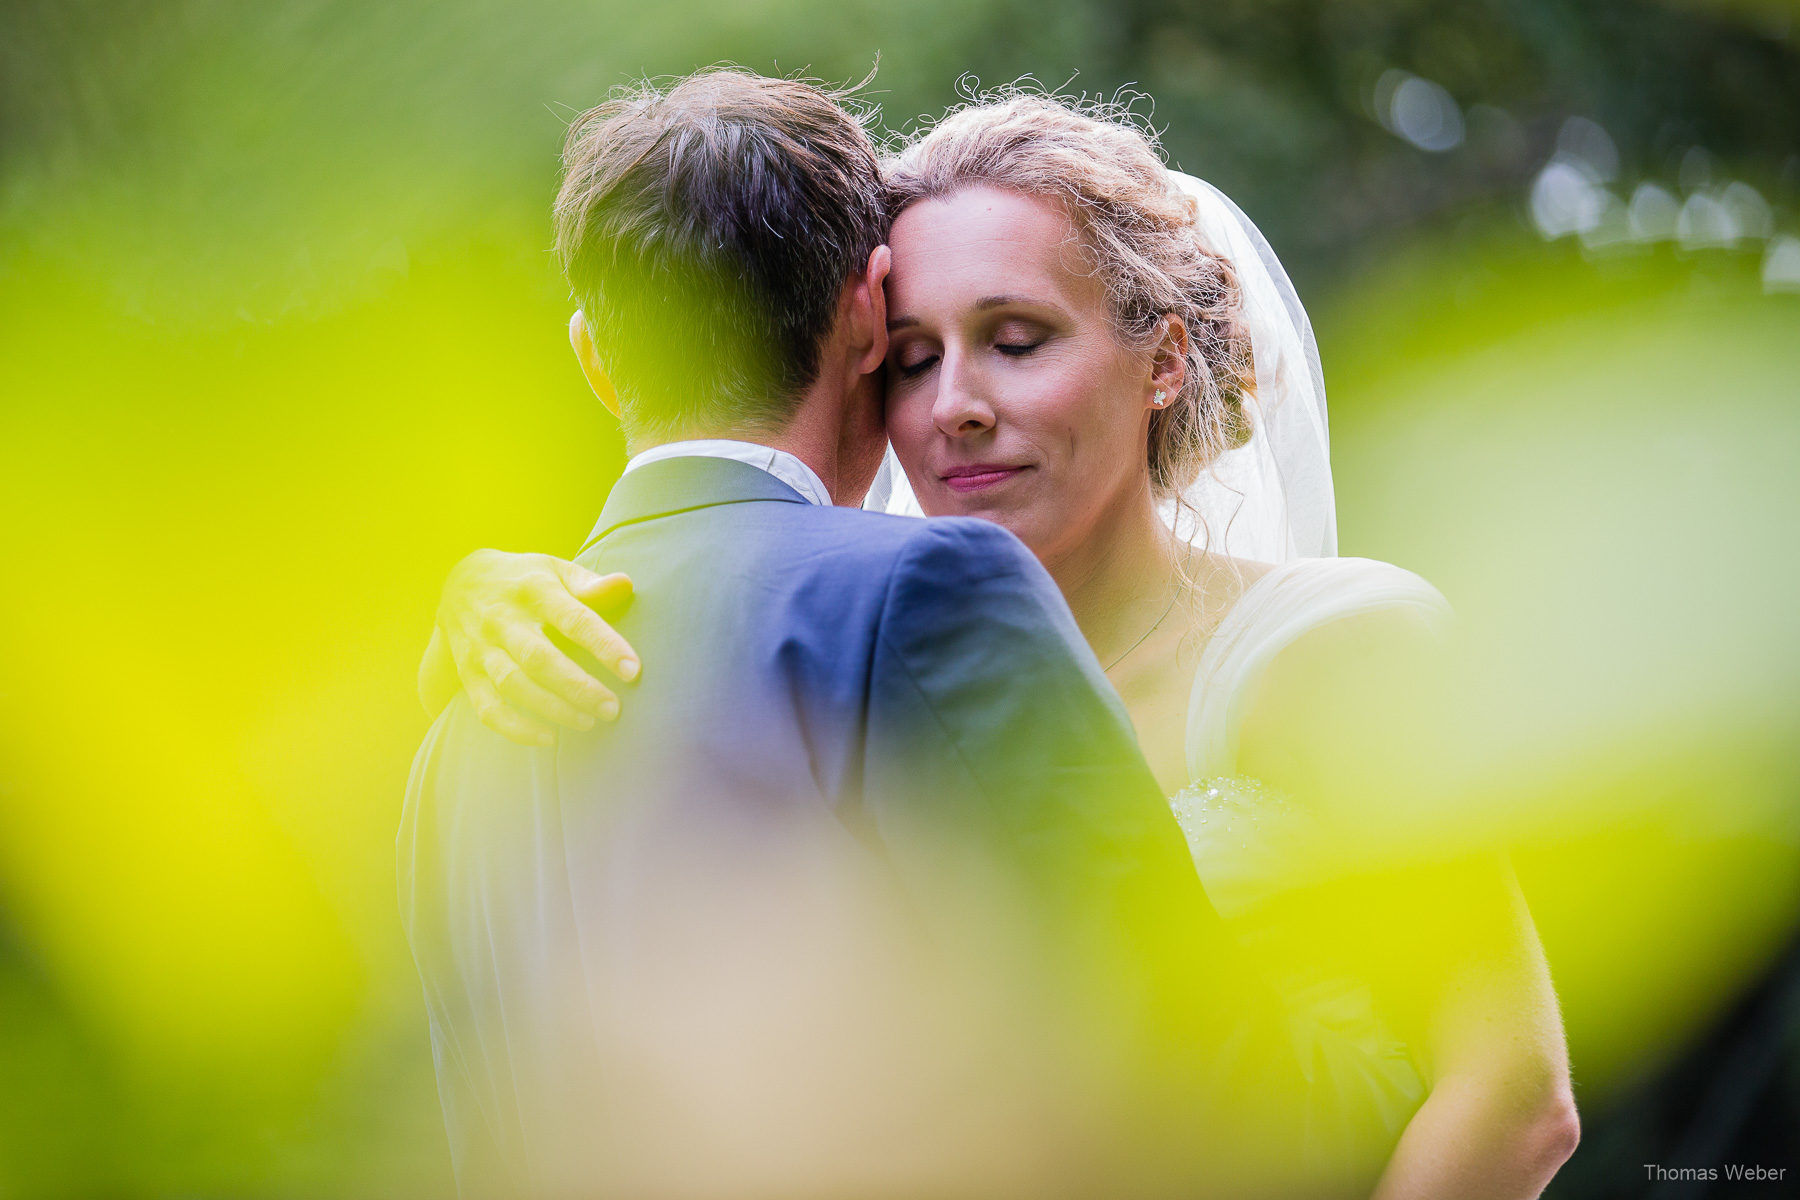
[782, 904]
[756, 619]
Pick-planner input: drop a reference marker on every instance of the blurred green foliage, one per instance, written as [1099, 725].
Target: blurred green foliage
[280, 339]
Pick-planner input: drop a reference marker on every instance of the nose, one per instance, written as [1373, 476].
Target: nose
[961, 406]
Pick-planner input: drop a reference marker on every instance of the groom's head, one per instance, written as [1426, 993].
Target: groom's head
[710, 231]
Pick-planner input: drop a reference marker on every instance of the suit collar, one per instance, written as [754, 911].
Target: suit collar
[782, 465]
[673, 485]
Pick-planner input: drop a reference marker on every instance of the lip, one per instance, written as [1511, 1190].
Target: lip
[978, 477]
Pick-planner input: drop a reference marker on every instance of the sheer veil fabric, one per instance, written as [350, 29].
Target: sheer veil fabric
[1271, 499]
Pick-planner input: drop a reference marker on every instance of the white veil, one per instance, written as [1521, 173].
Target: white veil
[1271, 499]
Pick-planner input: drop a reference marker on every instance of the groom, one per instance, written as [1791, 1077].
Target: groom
[868, 891]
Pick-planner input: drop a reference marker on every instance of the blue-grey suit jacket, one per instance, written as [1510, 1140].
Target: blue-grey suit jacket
[914, 693]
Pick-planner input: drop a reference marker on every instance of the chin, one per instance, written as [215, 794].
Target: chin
[1019, 520]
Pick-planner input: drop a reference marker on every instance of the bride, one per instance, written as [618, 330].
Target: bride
[1103, 356]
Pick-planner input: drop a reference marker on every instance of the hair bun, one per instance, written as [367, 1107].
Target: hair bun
[1236, 424]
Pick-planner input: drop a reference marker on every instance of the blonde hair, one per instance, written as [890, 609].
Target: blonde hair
[1139, 228]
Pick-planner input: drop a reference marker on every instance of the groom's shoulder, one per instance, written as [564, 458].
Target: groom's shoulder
[943, 580]
[912, 553]
[967, 552]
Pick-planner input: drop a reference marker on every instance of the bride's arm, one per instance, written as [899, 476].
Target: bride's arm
[498, 620]
[1360, 719]
[1500, 1118]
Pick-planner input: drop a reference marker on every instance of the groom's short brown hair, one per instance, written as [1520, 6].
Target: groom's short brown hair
[707, 229]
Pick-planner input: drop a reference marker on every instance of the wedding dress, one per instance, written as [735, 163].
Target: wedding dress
[1273, 501]
[1252, 846]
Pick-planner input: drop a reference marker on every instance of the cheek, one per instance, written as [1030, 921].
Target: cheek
[908, 415]
[1080, 407]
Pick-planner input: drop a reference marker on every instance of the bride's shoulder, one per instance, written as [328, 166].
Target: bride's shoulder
[1321, 591]
[1308, 638]
[1338, 626]
[1360, 659]
[1221, 580]
[1262, 616]
[1350, 573]
[1313, 617]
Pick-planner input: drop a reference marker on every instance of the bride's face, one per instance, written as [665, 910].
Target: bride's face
[1009, 396]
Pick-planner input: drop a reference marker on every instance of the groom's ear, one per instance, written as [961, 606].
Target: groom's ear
[871, 307]
[581, 339]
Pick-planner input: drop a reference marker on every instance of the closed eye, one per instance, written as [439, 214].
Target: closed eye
[1017, 349]
[908, 370]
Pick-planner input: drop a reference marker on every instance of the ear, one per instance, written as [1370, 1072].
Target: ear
[868, 312]
[1168, 363]
[582, 341]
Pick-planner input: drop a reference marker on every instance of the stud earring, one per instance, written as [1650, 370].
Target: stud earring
[1159, 401]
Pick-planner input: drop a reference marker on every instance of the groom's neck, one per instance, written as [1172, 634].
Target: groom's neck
[815, 435]
[775, 440]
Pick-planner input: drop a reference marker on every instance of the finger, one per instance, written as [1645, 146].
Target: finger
[502, 718]
[595, 591]
[559, 675]
[586, 629]
[518, 689]
[458, 642]
[465, 653]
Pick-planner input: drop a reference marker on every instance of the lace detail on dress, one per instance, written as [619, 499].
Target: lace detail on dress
[1237, 830]
[1257, 851]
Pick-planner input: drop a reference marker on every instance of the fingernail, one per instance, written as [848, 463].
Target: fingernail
[609, 710]
[628, 669]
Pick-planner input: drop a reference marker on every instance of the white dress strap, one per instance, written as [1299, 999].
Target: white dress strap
[1292, 599]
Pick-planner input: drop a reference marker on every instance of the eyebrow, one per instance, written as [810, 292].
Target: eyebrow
[986, 302]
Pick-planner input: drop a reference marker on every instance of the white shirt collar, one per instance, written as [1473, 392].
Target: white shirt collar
[779, 463]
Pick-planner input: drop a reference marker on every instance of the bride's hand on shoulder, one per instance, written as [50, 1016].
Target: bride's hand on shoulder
[498, 620]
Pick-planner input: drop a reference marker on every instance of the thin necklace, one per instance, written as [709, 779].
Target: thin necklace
[1173, 596]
